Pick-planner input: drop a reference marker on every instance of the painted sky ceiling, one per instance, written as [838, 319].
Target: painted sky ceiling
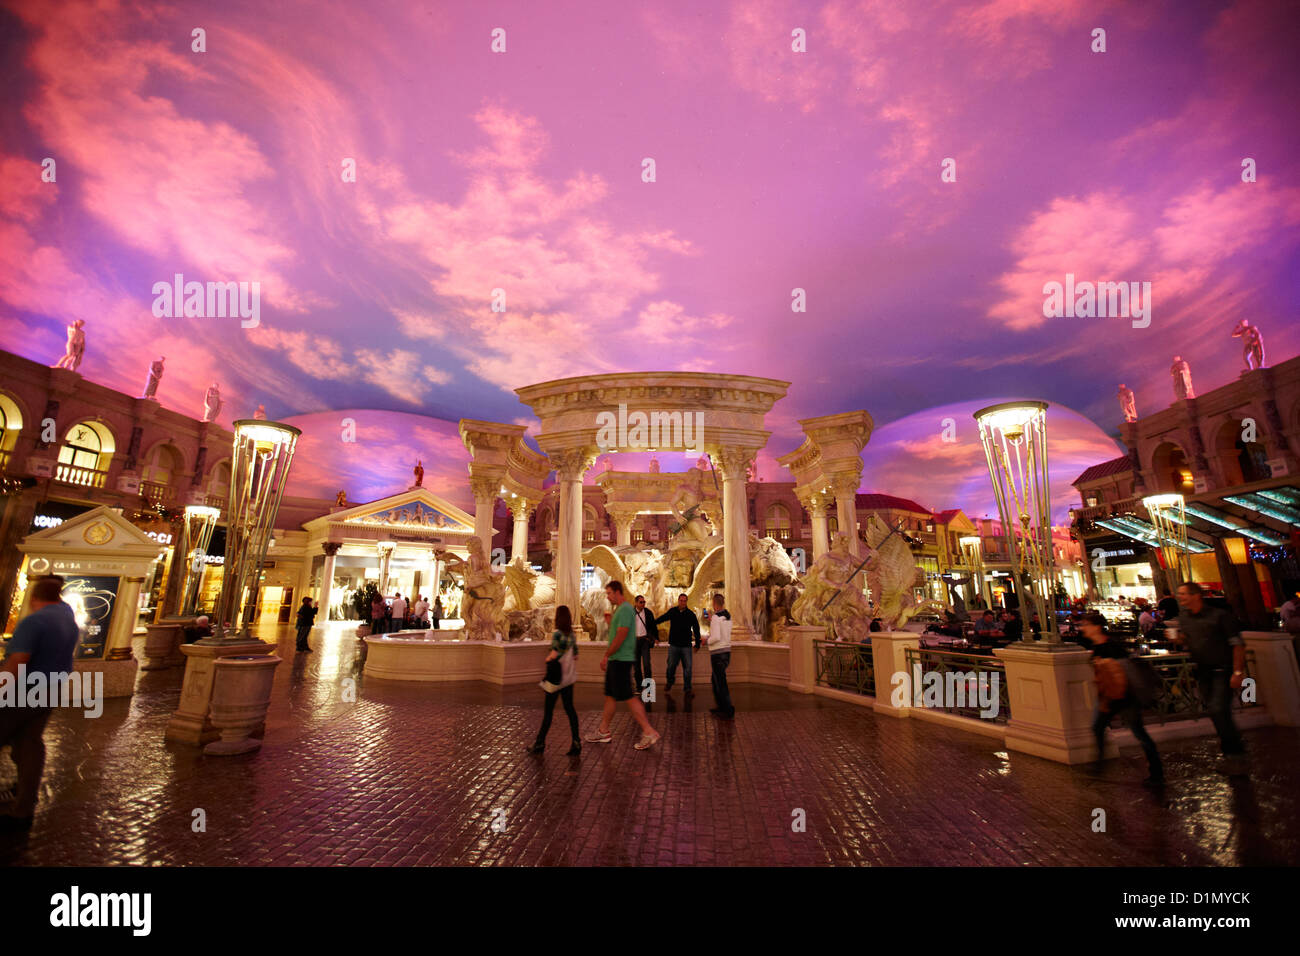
[775, 170]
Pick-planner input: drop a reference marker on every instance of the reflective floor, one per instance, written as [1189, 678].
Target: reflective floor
[437, 774]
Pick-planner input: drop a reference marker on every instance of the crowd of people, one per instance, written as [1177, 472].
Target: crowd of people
[633, 631]
[399, 614]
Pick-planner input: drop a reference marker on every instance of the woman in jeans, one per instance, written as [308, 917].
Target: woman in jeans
[561, 641]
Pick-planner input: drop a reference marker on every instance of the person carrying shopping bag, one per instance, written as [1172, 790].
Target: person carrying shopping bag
[561, 674]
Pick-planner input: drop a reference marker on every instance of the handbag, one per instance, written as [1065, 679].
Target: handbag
[568, 667]
[551, 682]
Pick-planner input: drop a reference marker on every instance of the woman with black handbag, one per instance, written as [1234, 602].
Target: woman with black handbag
[561, 673]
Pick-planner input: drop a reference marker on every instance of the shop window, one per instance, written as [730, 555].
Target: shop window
[85, 454]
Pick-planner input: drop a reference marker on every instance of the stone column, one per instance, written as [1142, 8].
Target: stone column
[521, 508]
[570, 466]
[1276, 675]
[816, 505]
[331, 548]
[1052, 699]
[385, 555]
[117, 647]
[623, 522]
[485, 502]
[846, 508]
[734, 464]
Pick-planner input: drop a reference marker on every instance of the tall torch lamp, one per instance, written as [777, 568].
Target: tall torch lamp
[200, 522]
[971, 547]
[259, 469]
[1014, 435]
[1170, 522]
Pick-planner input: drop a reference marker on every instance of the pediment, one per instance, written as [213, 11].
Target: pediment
[100, 529]
[414, 509]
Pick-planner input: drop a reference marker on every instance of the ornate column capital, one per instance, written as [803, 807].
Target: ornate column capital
[845, 485]
[817, 504]
[331, 548]
[521, 508]
[484, 488]
[572, 463]
[734, 462]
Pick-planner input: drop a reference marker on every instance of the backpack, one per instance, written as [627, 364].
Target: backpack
[1112, 679]
[1142, 679]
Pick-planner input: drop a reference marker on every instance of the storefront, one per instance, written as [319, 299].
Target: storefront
[1121, 568]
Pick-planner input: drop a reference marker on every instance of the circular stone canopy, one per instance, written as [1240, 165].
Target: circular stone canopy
[633, 411]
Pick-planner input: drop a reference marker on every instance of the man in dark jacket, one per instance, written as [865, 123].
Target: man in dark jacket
[1214, 643]
[647, 636]
[306, 619]
[682, 624]
[1115, 698]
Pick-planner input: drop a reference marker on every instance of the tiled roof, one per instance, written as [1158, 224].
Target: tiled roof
[945, 517]
[884, 502]
[1115, 466]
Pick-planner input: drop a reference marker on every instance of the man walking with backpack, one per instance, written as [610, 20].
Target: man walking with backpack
[1117, 695]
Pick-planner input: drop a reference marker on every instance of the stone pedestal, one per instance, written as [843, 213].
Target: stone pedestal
[191, 722]
[119, 676]
[1277, 677]
[889, 657]
[1052, 699]
[803, 657]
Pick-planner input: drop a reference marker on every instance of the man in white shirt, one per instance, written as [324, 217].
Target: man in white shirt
[647, 635]
[420, 609]
[399, 612]
[720, 657]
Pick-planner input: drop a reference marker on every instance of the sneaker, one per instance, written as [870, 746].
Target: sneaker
[596, 737]
[646, 742]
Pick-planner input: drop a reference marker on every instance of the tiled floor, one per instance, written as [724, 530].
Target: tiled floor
[437, 774]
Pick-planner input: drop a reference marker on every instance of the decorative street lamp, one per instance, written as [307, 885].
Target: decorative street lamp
[1014, 435]
[1170, 521]
[259, 470]
[200, 521]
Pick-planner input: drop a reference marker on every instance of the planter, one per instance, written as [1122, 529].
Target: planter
[241, 693]
[161, 646]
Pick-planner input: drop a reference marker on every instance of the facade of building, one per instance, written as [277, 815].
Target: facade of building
[1233, 453]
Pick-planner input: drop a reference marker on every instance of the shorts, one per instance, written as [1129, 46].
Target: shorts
[618, 680]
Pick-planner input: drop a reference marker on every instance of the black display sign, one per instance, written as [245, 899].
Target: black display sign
[93, 600]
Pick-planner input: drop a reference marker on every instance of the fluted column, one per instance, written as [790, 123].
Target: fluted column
[522, 509]
[734, 464]
[331, 548]
[485, 502]
[570, 466]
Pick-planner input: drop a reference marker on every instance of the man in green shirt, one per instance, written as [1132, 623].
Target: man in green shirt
[617, 665]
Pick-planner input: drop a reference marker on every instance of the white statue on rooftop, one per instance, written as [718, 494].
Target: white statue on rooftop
[1128, 403]
[76, 347]
[212, 403]
[1252, 344]
[1182, 376]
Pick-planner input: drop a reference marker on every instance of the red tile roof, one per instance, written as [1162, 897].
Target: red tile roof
[945, 517]
[1115, 466]
[885, 502]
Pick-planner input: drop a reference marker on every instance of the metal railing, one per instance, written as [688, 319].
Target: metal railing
[845, 666]
[72, 475]
[1179, 696]
[924, 660]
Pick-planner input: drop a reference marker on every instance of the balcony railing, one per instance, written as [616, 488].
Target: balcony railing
[974, 670]
[1106, 509]
[156, 493]
[72, 475]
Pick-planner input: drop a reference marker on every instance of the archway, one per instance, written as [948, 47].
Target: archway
[1171, 471]
[85, 454]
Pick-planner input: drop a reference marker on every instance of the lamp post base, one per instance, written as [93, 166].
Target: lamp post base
[192, 723]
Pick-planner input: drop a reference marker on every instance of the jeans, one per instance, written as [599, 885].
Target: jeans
[24, 729]
[1128, 711]
[1216, 695]
[641, 666]
[676, 654]
[721, 693]
[435, 623]
[303, 632]
[566, 695]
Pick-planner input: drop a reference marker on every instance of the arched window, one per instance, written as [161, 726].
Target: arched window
[219, 485]
[11, 423]
[778, 522]
[161, 469]
[589, 522]
[84, 456]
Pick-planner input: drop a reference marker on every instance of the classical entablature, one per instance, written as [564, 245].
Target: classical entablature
[639, 492]
[414, 515]
[827, 468]
[502, 465]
